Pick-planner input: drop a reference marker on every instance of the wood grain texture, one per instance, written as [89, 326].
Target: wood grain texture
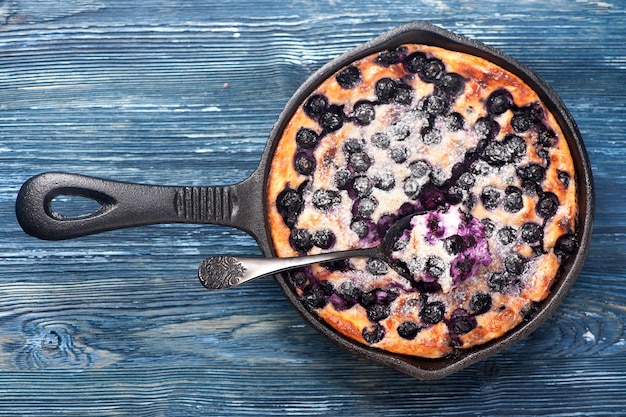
[185, 93]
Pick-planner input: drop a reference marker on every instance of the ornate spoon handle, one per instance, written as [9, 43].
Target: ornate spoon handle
[222, 272]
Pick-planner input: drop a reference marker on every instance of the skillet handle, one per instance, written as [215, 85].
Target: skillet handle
[124, 204]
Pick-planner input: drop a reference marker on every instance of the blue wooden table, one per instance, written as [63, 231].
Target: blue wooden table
[185, 93]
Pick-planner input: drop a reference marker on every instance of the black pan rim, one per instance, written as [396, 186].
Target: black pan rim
[431, 369]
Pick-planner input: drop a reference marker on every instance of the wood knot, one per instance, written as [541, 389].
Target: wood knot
[52, 346]
[51, 340]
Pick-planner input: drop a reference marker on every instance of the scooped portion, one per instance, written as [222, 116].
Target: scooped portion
[443, 248]
[424, 129]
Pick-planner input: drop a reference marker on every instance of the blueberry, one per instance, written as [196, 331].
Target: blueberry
[531, 188]
[506, 235]
[531, 172]
[454, 122]
[353, 145]
[454, 244]
[451, 84]
[462, 324]
[359, 161]
[415, 62]
[489, 225]
[420, 169]
[326, 199]
[399, 154]
[380, 140]
[342, 179]
[362, 186]
[537, 250]
[462, 267]
[385, 90]
[349, 293]
[432, 70]
[455, 195]
[466, 180]
[304, 164]
[324, 239]
[564, 177]
[565, 245]
[431, 136]
[384, 180]
[368, 298]
[480, 168]
[403, 94]
[490, 197]
[408, 330]
[547, 138]
[480, 303]
[400, 244]
[514, 146]
[306, 138]
[299, 278]
[326, 287]
[332, 119]
[513, 201]
[301, 240]
[434, 266]
[360, 228]
[499, 101]
[390, 57]
[315, 106]
[498, 282]
[400, 131]
[289, 204]
[316, 298]
[349, 77]
[515, 264]
[432, 223]
[374, 333]
[486, 128]
[412, 187]
[547, 206]
[544, 154]
[378, 312]
[376, 266]
[521, 122]
[531, 232]
[366, 206]
[363, 112]
[434, 105]
[495, 154]
[529, 311]
[433, 312]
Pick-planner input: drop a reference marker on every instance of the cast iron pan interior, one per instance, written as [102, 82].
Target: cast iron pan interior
[126, 205]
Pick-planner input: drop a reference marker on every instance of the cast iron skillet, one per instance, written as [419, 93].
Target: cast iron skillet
[243, 205]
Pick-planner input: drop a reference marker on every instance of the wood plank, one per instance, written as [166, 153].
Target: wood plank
[186, 93]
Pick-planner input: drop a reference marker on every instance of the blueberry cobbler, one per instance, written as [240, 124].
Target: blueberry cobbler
[443, 133]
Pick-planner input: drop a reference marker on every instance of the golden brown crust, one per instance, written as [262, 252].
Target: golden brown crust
[405, 300]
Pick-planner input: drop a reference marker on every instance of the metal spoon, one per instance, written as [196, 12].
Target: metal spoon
[222, 272]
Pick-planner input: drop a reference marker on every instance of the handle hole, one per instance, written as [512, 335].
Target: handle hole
[73, 206]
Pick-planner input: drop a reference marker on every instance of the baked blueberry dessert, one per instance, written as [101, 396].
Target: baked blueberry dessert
[424, 129]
